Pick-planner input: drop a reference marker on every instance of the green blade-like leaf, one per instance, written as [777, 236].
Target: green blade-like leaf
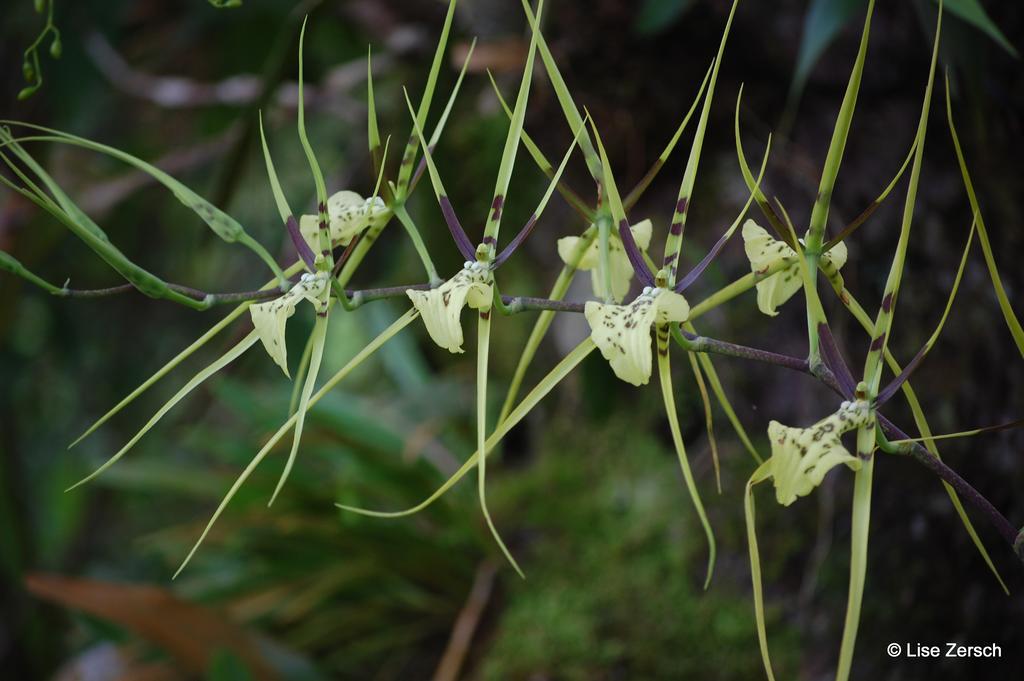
[11, 264]
[222, 224]
[762, 201]
[85, 229]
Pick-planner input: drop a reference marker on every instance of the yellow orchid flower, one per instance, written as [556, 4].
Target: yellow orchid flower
[441, 308]
[802, 456]
[270, 317]
[623, 332]
[349, 214]
[764, 250]
[621, 269]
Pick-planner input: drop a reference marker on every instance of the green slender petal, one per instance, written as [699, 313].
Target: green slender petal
[851, 304]
[544, 319]
[180, 357]
[709, 424]
[325, 262]
[555, 376]
[1012, 321]
[837, 146]
[515, 131]
[673, 243]
[283, 209]
[569, 108]
[225, 359]
[318, 337]
[409, 156]
[363, 354]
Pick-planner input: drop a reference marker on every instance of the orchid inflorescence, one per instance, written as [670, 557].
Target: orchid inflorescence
[332, 243]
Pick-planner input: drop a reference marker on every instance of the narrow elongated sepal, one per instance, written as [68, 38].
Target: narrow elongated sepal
[483, 345]
[665, 375]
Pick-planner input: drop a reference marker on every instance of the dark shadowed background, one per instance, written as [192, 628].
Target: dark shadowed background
[587, 491]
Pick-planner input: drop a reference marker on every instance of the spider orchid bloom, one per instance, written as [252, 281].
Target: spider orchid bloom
[802, 456]
[270, 318]
[621, 270]
[441, 308]
[763, 251]
[349, 214]
[623, 332]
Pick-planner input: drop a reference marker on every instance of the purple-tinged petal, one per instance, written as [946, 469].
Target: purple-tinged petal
[699, 268]
[303, 249]
[462, 241]
[516, 242]
[834, 360]
[636, 258]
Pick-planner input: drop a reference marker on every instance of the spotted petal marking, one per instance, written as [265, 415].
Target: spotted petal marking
[349, 214]
[802, 456]
[621, 269]
[763, 251]
[441, 308]
[269, 318]
[623, 332]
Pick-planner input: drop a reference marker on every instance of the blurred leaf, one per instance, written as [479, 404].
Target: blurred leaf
[657, 15]
[226, 666]
[190, 633]
[973, 13]
[826, 18]
[822, 23]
